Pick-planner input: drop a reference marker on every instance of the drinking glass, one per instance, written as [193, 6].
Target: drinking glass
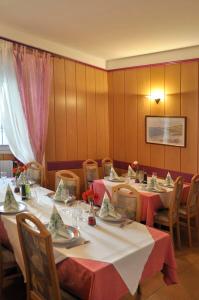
[3, 176]
[141, 176]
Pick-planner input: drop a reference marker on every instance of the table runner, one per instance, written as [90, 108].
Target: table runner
[126, 248]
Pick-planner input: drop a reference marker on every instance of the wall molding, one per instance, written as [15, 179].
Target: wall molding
[163, 57]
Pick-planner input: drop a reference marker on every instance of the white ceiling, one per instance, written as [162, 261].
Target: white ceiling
[106, 29]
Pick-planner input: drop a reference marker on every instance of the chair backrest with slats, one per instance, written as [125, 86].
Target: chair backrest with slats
[175, 198]
[107, 163]
[35, 172]
[40, 269]
[193, 196]
[91, 172]
[126, 200]
[71, 182]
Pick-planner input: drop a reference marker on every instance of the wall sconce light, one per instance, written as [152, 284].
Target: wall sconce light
[157, 96]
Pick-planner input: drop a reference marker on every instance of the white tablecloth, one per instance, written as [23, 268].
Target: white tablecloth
[126, 248]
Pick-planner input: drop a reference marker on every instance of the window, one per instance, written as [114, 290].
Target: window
[4, 146]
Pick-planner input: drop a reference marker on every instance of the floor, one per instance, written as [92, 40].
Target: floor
[153, 289]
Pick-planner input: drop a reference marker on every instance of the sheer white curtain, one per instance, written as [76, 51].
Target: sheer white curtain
[12, 114]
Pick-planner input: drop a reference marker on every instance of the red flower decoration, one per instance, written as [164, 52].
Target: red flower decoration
[89, 195]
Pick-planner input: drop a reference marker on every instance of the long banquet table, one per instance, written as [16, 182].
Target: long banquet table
[150, 201]
[95, 279]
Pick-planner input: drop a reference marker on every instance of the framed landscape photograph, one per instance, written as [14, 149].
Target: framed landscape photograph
[165, 130]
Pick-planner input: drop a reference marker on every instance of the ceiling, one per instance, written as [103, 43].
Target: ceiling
[107, 29]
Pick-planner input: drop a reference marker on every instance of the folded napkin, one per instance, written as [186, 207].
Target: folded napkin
[22, 178]
[169, 180]
[107, 209]
[152, 183]
[113, 174]
[61, 192]
[131, 172]
[56, 225]
[10, 203]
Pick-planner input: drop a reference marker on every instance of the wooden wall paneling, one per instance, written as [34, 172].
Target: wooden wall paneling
[131, 115]
[157, 83]
[81, 111]
[50, 141]
[189, 108]
[106, 132]
[60, 109]
[119, 123]
[111, 113]
[100, 118]
[143, 89]
[71, 110]
[91, 112]
[172, 108]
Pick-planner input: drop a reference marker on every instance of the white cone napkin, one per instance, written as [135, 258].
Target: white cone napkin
[131, 172]
[56, 225]
[10, 204]
[60, 192]
[107, 209]
[113, 174]
[169, 180]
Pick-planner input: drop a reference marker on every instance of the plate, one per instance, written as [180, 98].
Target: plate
[22, 207]
[120, 179]
[72, 232]
[110, 219]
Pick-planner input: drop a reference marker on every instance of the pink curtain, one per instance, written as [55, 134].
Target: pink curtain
[34, 70]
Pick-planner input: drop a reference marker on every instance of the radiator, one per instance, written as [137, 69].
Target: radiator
[6, 166]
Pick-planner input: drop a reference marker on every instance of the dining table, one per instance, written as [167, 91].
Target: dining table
[113, 262]
[151, 201]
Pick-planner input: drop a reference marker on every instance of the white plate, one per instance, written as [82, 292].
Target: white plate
[111, 219]
[22, 207]
[73, 234]
[120, 179]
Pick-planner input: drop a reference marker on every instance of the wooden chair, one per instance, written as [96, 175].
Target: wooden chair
[35, 172]
[37, 251]
[9, 269]
[126, 200]
[71, 180]
[91, 172]
[107, 163]
[191, 209]
[170, 217]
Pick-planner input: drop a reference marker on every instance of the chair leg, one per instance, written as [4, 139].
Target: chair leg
[189, 231]
[197, 225]
[178, 234]
[171, 233]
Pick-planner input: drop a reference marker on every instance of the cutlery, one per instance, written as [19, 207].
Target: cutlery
[75, 244]
[126, 222]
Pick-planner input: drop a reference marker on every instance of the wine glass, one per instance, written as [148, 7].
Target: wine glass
[3, 176]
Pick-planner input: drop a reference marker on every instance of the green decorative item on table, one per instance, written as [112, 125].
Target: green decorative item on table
[56, 225]
[10, 202]
[107, 209]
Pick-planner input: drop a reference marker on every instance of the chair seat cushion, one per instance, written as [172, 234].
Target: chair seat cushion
[66, 296]
[162, 216]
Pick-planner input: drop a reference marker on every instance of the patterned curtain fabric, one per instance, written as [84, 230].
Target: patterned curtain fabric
[34, 72]
[12, 115]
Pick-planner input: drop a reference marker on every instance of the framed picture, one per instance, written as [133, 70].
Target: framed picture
[165, 130]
